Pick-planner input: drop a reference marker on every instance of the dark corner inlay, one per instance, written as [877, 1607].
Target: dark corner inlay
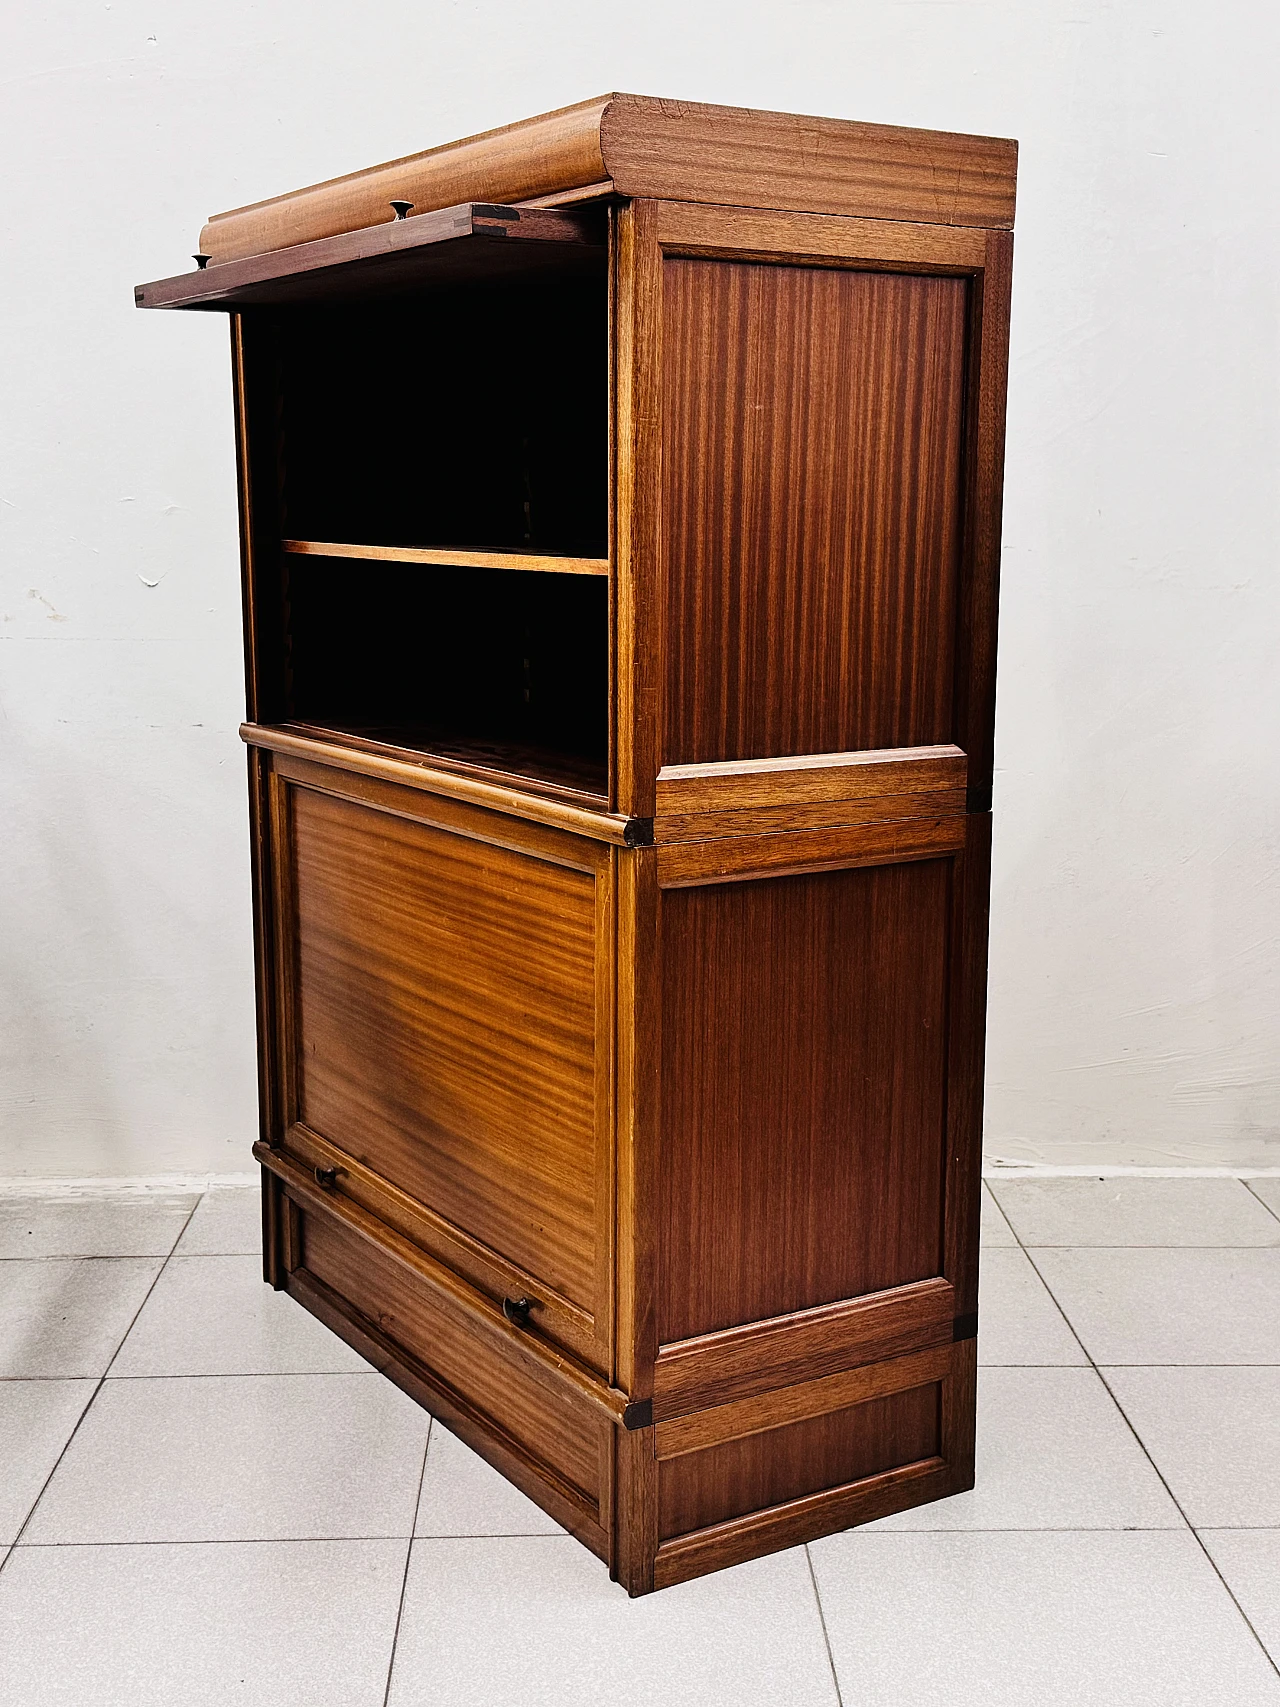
[638, 833]
[965, 1327]
[978, 799]
[638, 1414]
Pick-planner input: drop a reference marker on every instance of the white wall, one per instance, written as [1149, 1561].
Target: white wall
[1135, 1016]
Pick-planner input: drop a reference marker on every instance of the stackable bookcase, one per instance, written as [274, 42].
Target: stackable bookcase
[620, 499]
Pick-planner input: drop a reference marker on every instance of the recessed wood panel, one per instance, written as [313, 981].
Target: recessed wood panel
[812, 434]
[447, 1028]
[762, 1470]
[802, 1137]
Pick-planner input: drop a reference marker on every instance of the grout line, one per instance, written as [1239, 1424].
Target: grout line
[408, 1556]
[92, 1256]
[66, 1446]
[141, 1307]
[1163, 1480]
[1080, 1245]
[1262, 1200]
[226, 1541]
[236, 1375]
[822, 1619]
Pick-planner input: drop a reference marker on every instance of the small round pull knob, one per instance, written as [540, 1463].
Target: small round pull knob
[327, 1177]
[516, 1310]
[401, 209]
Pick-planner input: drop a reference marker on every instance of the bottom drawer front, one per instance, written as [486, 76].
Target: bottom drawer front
[554, 1432]
[759, 1470]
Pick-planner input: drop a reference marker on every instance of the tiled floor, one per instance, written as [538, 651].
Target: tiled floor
[206, 1498]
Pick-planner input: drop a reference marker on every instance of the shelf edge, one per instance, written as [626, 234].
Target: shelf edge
[610, 827]
[536, 562]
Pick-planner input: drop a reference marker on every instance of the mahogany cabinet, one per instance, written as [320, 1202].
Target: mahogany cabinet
[620, 499]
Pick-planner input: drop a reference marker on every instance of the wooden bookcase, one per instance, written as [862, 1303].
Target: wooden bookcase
[620, 556]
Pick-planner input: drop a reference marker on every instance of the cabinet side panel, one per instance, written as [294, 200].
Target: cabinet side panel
[803, 1091]
[447, 1027]
[829, 1451]
[813, 423]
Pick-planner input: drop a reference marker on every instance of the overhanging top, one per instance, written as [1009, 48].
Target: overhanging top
[475, 240]
[638, 145]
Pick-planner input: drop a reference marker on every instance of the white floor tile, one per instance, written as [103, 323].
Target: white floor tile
[462, 1495]
[94, 1227]
[995, 1229]
[1170, 1306]
[1035, 1620]
[227, 1222]
[1250, 1561]
[1267, 1191]
[1018, 1322]
[239, 1458]
[66, 1317]
[36, 1420]
[276, 1624]
[1215, 1437]
[1053, 1453]
[1135, 1211]
[523, 1622]
[216, 1316]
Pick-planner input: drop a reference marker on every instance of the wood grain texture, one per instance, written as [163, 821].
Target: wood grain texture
[812, 437]
[779, 1406]
[807, 1345]
[689, 151]
[421, 775]
[534, 157]
[966, 1057]
[800, 1520]
[757, 1471]
[816, 815]
[514, 560]
[638, 584]
[736, 859]
[522, 1342]
[805, 778]
[988, 380]
[749, 233]
[648, 147]
[455, 246]
[803, 1111]
[470, 973]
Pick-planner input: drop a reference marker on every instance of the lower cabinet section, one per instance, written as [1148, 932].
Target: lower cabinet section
[659, 1502]
[651, 1169]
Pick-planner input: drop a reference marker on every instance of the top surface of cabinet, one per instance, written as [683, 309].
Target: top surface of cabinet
[639, 145]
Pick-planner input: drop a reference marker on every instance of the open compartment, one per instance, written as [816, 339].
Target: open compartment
[473, 420]
[501, 669]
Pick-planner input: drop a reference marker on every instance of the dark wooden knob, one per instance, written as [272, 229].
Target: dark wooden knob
[517, 1310]
[327, 1177]
[201, 261]
[401, 209]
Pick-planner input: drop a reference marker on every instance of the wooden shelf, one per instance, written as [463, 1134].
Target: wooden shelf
[540, 563]
[556, 775]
